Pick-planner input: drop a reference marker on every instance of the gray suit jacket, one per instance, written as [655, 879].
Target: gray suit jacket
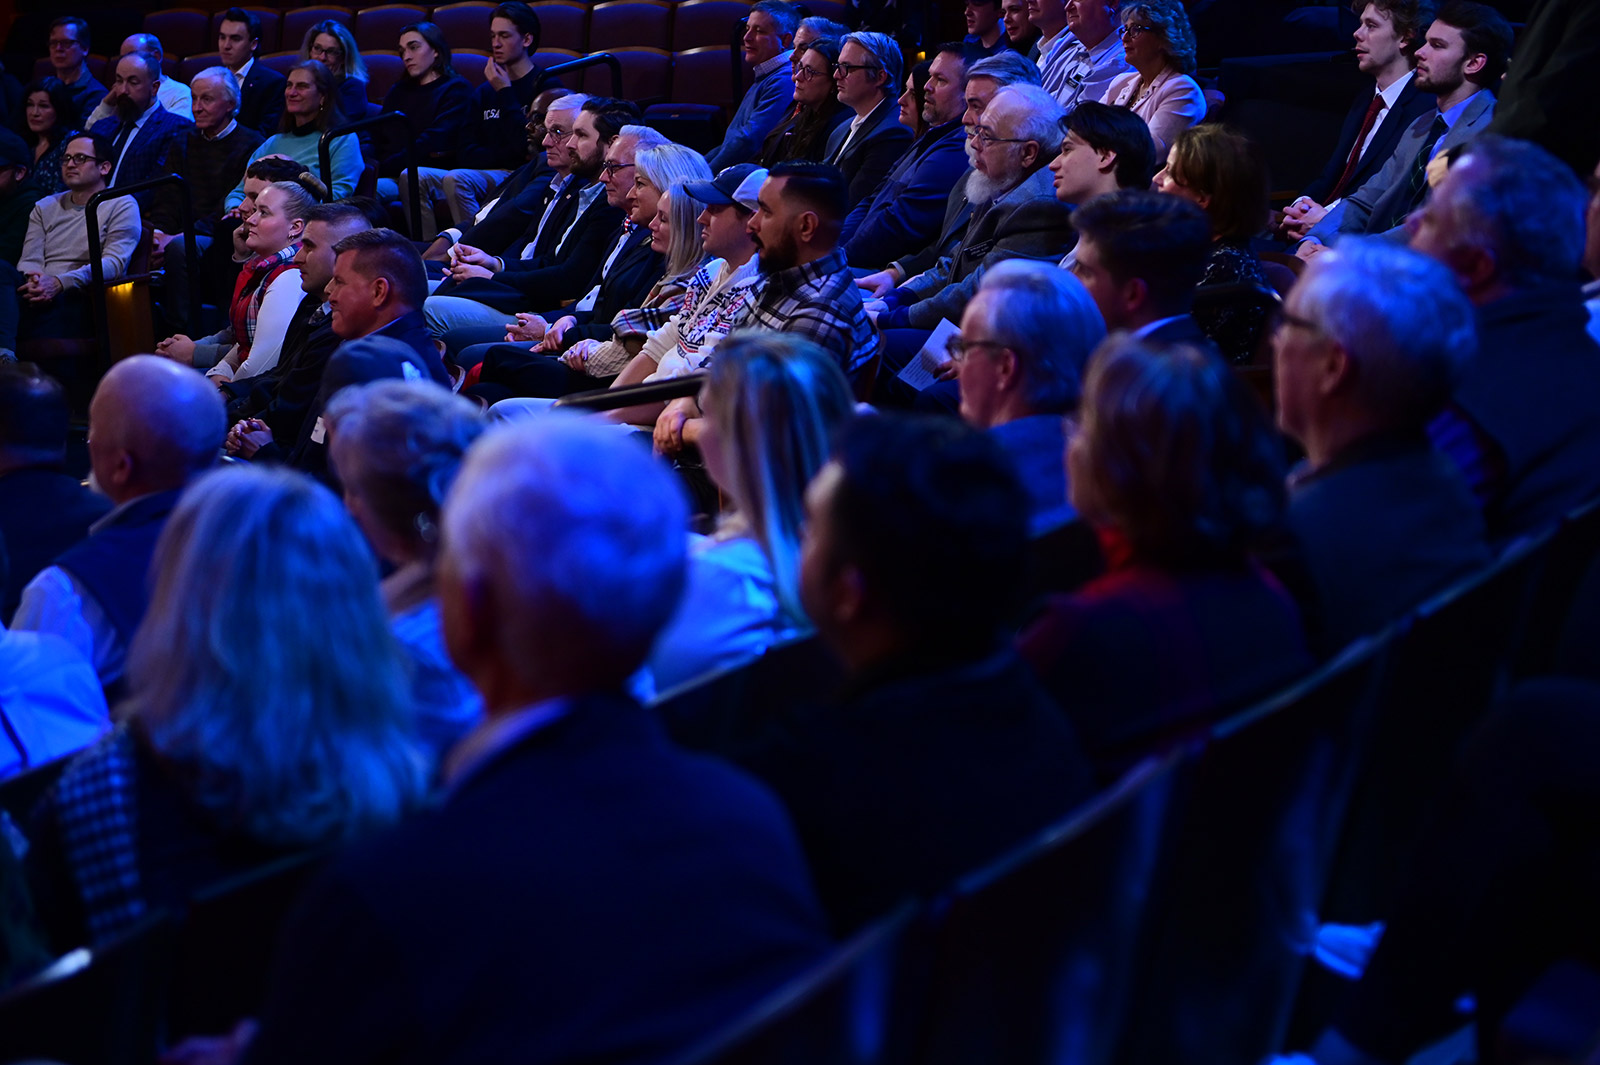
[1028, 222]
[1372, 205]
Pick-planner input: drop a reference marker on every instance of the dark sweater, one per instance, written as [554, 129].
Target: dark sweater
[494, 137]
[435, 114]
[14, 213]
[212, 168]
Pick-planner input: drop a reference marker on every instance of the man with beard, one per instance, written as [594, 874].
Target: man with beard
[806, 287]
[1461, 60]
[142, 132]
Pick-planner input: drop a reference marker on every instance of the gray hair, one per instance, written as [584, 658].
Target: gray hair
[581, 534]
[644, 137]
[784, 15]
[1401, 318]
[1038, 117]
[1006, 68]
[667, 166]
[884, 52]
[1524, 205]
[824, 28]
[145, 42]
[223, 77]
[1168, 18]
[573, 102]
[1045, 315]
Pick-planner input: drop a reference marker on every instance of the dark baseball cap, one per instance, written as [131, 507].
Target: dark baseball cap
[12, 151]
[722, 188]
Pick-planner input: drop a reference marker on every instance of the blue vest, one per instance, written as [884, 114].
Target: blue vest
[114, 563]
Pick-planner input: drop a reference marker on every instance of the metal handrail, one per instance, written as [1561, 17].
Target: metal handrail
[325, 159]
[595, 59]
[604, 399]
[97, 273]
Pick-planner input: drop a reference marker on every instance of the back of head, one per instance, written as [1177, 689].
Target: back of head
[1117, 129]
[148, 63]
[576, 533]
[289, 740]
[645, 137]
[1162, 240]
[341, 215]
[824, 28]
[1046, 316]
[1484, 31]
[932, 515]
[1006, 68]
[1175, 454]
[33, 416]
[1404, 323]
[1227, 167]
[885, 52]
[816, 187]
[276, 168]
[383, 253]
[1521, 203]
[165, 417]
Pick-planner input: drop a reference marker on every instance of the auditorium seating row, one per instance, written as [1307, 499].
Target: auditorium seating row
[1168, 920]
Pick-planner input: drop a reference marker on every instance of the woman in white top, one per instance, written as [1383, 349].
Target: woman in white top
[1160, 45]
[768, 410]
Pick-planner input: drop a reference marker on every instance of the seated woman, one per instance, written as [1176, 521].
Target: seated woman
[769, 409]
[239, 742]
[267, 293]
[1177, 470]
[1222, 173]
[1160, 46]
[309, 110]
[396, 447]
[436, 102]
[802, 132]
[329, 43]
[912, 99]
[48, 114]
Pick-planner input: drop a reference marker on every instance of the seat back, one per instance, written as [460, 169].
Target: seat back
[629, 24]
[1573, 550]
[378, 28]
[698, 23]
[704, 76]
[181, 30]
[563, 25]
[646, 75]
[730, 709]
[468, 24]
[384, 69]
[301, 19]
[549, 57]
[1028, 961]
[282, 62]
[469, 63]
[270, 18]
[194, 64]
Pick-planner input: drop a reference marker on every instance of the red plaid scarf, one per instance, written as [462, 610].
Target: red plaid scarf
[254, 279]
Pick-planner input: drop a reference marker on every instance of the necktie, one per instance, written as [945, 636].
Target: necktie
[1417, 180]
[1374, 109]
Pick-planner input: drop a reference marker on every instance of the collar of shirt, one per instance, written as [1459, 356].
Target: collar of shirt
[1045, 47]
[244, 71]
[1454, 114]
[495, 735]
[797, 276]
[780, 60]
[558, 182]
[232, 125]
[1150, 327]
[139, 122]
[1396, 87]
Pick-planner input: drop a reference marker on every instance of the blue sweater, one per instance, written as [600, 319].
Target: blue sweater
[344, 155]
[759, 112]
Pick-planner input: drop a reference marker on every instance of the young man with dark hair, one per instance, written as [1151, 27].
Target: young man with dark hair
[768, 43]
[1141, 254]
[260, 87]
[984, 30]
[1105, 149]
[69, 50]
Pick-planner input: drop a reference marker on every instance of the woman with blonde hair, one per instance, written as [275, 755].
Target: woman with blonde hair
[330, 43]
[245, 736]
[1161, 49]
[396, 447]
[769, 408]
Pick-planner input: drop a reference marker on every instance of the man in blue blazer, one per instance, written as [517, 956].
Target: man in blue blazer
[584, 890]
[142, 132]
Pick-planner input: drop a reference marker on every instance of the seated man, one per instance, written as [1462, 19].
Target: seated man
[1105, 149]
[171, 93]
[69, 54]
[260, 87]
[1090, 57]
[697, 904]
[1371, 343]
[1507, 219]
[768, 43]
[984, 31]
[1025, 342]
[868, 146]
[153, 425]
[142, 132]
[947, 752]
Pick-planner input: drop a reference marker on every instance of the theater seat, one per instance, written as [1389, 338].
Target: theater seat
[467, 24]
[704, 76]
[628, 24]
[182, 30]
[280, 61]
[563, 24]
[549, 57]
[469, 63]
[646, 75]
[698, 23]
[194, 64]
[383, 70]
[296, 22]
[379, 27]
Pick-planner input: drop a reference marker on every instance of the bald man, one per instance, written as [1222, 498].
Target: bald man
[171, 93]
[153, 425]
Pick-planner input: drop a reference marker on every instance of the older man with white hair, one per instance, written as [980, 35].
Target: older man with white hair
[1371, 343]
[153, 425]
[621, 897]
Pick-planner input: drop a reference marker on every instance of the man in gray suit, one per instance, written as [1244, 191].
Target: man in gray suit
[1460, 61]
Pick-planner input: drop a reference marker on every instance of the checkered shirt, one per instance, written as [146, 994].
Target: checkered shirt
[822, 303]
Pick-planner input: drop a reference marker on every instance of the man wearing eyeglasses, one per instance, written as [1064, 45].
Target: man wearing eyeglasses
[768, 43]
[864, 149]
[69, 47]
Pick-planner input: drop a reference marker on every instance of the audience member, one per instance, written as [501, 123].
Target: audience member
[377, 289]
[767, 412]
[47, 121]
[903, 214]
[944, 751]
[238, 743]
[1541, 100]
[1387, 39]
[329, 42]
[1025, 341]
[1460, 61]
[17, 197]
[1049, 18]
[556, 572]
[69, 54]
[983, 26]
[768, 40]
[1507, 220]
[866, 149]
[1221, 171]
[52, 706]
[1104, 149]
[806, 288]
[43, 509]
[1175, 467]
[1160, 47]
[1368, 350]
[437, 103]
[1091, 56]
[1141, 254]
[396, 447]
[171, 93]
[492, 140]
[817, 28]
[1591, 254]
[142, 132]
[804, 129]
[152, 427]
[309, 112]
[913, 98]
[261, 89]
[1021, 35]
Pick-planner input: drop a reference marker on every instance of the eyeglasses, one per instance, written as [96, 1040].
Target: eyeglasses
[1133, 29]
[558, 133]
[957, 346]
[843, 70]
[78, 159]
[319, 52]
[62, 45]
[805, 73]
[610, 169]
[983, 136]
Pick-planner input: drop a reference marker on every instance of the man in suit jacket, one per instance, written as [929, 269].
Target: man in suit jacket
[1374, 340]
[1463, 57]
[943, 751]
[768, 43]
[260, 87]
[142, 133]
[867, 147]
[594, 893]
[1387, 39]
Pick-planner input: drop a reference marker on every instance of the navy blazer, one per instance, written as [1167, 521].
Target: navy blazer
[43, 511]
[1411, 105]
[904, 214]
[261, 99]
[544, 281]
[880, 143]
[634, 273]
[147, 152]
[588, 893]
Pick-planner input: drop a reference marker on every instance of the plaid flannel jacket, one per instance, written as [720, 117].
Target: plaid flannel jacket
[822, 303]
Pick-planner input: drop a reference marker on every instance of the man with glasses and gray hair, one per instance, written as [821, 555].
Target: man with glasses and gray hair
[868, 79]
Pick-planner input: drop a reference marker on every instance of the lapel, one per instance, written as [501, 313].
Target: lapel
[1474, 117]
[560, 218]
[874, 119]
